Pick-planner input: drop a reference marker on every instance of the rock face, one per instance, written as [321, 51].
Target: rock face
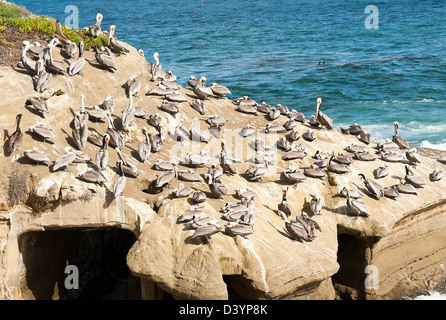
[402, 241]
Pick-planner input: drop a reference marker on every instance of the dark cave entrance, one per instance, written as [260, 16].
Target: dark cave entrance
[349, 281]
[98, 254]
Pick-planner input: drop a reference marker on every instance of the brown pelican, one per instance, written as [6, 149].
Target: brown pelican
[283, 144]
[296, 115]
[391, 193]
[165, 178]
[309, 224]
[157, 70]
[70, 49]
[282, 109]
[216, 122]
[309, 135]
[16, 138]
[156, 141]
[323, 119]
[128, 114]
[95, 29]
[55, 66]
[144, 147]
[182, 191]
[82, 120]
[180, 133]
[339, 168]
[129, 168]
[133, 87]
[274, 114]
[294, 153]
[43, 77]
[193, 81]
[413, 156]
[106, 60]
[404, 187]
[63, 39]
[27, 63]
[228, 165]
[374, 188]
[290, 124]
[93, 176]
[354, 193]
[219, 90]
[355, 129]
[102, 154]
[176, 96]
[214, 171]
[109, 104]
[116, 44]
[159, 90]
[81, 157]
[116, 137]
[216, 187]
[169, 107]
[170, 76]
[237, 229]
[163, 165]
[294, 135]
[193, 213]
[314, 172]
[246, 100]
[35, 48]
[189, 176]
[315, 204]
[291, 175]
[248, 109]
[77, 65]
[392, 157]
[36, 155]
[343, 158]
[80, 133]
[245, 193]
[43, 131]
[120, 182]
[436, 175]
[410, 178]
[257, 173]
[403, 144]
[274, 128]
[357, 207]
[313, 121]
[196, 160]
[381, 172]
[284, 206]
[201, 91]
[206, 231]
[65, 160]
[248, 131]
[364, 156]
[199, 197]
[198, 135]
[96, 113]
[155, 120]
[354, 148]
[199, 106]
[365, 137]
[295, 229]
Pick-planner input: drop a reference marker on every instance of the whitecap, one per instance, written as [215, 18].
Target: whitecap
[437, 146]
[431, 295]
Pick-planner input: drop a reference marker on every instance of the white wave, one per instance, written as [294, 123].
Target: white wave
[437, 146]
[431, 295]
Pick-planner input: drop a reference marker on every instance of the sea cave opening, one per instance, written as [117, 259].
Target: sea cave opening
[96, 259]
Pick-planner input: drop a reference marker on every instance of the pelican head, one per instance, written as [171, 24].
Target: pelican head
[319, 101]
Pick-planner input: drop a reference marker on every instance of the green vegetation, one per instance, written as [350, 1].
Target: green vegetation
[11, 15]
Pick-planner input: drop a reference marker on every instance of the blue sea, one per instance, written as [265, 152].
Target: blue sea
[371, 67]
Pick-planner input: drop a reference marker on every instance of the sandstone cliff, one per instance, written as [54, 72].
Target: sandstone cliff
[403, 238]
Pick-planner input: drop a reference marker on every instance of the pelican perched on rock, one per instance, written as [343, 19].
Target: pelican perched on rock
[43, 77]
[102, 154]
[116, 137]
[217, 188]
[193, 213]
[257, 173]
[201, 91]
[95, 29]
[404, 187]
[315, 204]
[189, 176]
[295, 229]
[65, 160]
[63, 39]
[357, 207]
[93, 176]
[166, 177]
[314, 172]
[36, 155]
[196, 134]
[157, 70]
[291, 175]
[27, 63]
[206, 231]
[128, 114]
[381, 172]
[16, 138]
[323, 119]
[43, 131]
[129, 168]
[403, 144]
[120, 182]
[410, 178]
[248, 131]
[53, 65]
[182, 191]
[144, 147]
[365, 137]
[199, 106]
[77, 65]
[219, 90]
[238, 229]
[436, 175]
[106, 59]
[354, 193]
[176, 96]
[284, 206]
[116, 44]
[413, 156]
[374, 188]
[80, 132]
[309, 135]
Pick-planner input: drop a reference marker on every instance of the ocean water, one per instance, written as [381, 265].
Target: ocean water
[271, 51]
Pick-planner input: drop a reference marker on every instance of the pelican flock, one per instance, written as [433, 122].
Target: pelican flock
[164, 126]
